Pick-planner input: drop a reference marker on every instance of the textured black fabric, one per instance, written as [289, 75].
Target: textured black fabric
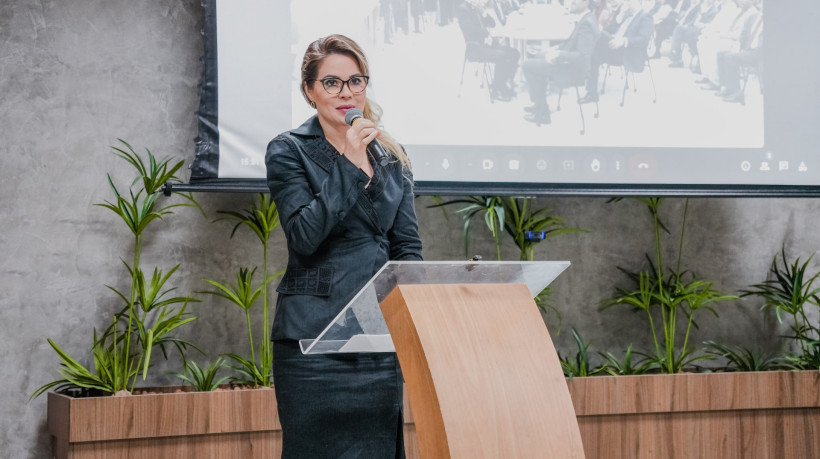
[338, 405]
[307, 281]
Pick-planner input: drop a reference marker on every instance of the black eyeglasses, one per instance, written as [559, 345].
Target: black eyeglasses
[334, 85]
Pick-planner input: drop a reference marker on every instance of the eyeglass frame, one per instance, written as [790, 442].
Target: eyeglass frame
[344, 82]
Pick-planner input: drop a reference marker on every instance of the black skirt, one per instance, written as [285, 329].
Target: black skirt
[338, 405]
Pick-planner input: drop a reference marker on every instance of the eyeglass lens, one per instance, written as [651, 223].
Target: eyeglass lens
[356, 84]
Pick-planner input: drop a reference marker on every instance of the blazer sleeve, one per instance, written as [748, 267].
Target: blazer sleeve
[308, 215]
[405, 243]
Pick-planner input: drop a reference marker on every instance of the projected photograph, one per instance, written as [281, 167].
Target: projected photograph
[526, 94]
[628, 73]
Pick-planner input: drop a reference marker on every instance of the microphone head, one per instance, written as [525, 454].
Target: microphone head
[352, 115]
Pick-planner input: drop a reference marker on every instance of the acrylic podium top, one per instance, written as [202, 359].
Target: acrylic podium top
[360, 326]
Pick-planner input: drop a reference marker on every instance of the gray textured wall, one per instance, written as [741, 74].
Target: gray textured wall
[74, 76]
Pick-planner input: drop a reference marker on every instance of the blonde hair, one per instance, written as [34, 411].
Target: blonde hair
[340, 44]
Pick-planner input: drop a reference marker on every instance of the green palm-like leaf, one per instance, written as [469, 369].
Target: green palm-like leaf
[147, 318]
[789, 289]
[678, 295]
[242, 294]
[521, 219]
[261, 218]
[492, 209]
[544, 302]
[580, 366]
[203, 379]
[625, 367]
[151, 296]
[166, 322]
[251, 373]
[744, 359]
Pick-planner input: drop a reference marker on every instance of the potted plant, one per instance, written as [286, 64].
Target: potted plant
[262, 219]
[97, 410]
[790, 290]
[680, 414]
[148, 315]
[525, 225]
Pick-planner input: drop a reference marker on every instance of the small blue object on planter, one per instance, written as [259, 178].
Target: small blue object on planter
[535, 236]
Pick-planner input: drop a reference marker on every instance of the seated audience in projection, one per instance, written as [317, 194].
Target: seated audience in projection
[622, 43]
[565, 65]
[731, 62]
[607, 11]
[689, 28]
[475, 18]
[731, 26]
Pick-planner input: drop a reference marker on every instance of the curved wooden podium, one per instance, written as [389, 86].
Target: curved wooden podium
[482, 374]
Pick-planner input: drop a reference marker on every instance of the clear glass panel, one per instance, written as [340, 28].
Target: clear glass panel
[360, 326]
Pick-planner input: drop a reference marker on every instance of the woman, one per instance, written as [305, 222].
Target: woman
[344, 216]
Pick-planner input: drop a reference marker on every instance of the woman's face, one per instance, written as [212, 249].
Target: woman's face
[331, 108]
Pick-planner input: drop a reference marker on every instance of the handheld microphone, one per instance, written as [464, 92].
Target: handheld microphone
[374, 148]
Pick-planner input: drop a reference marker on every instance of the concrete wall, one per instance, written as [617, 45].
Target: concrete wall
[74, 76]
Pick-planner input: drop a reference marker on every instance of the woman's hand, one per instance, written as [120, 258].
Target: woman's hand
[357, 138]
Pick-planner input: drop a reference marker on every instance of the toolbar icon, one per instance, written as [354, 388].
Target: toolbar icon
[595, 165]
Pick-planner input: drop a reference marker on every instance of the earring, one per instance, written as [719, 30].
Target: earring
[313, 104]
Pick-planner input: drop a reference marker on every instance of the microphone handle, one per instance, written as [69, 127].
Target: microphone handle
[377, 152]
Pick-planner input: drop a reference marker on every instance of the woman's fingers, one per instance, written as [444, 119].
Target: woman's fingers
[357, 138]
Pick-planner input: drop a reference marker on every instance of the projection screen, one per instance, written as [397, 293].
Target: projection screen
[668, 128]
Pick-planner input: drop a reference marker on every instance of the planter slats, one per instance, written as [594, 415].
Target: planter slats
[605, 395]
[241, 445]
[231, 423]
[167, 415]
[225, 424]
[748, 434]
[718, 415]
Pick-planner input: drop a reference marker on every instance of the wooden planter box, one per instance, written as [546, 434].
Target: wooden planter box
[229, 423]
[716, 415]
[173, 424]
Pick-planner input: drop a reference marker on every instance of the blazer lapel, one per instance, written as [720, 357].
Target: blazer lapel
[316, 146]
[324, 154]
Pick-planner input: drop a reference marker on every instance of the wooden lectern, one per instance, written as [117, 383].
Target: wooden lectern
[482, 374]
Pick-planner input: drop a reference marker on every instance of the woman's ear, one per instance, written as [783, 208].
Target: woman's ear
[308, 94]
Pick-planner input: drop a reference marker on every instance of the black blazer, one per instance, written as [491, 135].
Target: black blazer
[338, 232]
